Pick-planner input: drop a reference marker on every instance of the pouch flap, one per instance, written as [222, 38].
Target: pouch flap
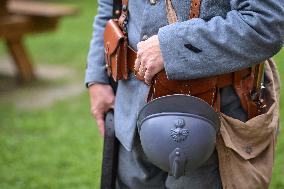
[112, 36]
[251, 138]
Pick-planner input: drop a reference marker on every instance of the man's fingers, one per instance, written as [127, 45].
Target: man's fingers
[148, 77]
[149, 59]
[101, 125]
[137, 63]
[102, 99]
[96, 112]
[142, 69]
[138, 59]
[99, 116]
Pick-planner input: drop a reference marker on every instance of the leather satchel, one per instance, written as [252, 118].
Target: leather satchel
[115, 43]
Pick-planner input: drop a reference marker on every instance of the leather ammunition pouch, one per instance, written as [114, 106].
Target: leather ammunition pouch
[205, 88]
[115, 43]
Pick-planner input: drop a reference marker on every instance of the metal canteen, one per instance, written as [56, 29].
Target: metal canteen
[178, 132]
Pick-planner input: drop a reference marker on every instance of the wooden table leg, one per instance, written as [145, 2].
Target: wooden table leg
[21, 59]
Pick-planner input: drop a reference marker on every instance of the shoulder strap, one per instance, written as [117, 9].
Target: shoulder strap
[116, 9]
[122, 21]
[194, 9]
[171, 13]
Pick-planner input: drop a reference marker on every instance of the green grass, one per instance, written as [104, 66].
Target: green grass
[59, 146]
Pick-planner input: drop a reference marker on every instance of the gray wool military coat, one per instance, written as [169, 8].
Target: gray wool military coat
[229, 35]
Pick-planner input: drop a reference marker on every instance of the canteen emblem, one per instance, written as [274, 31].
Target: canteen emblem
[178, 133]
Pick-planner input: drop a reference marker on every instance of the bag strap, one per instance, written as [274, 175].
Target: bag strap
[123, 19]
[195, 9]
[116, 9]
[171, 13]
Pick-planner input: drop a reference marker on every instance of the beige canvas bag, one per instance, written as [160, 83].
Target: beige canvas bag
[246, 150]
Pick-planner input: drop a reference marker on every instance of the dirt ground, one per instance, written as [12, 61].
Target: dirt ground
[52, 83]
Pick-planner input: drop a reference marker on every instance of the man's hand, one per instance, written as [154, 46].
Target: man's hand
[102, 99]
[149, 58]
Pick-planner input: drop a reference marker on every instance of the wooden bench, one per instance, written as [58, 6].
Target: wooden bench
[19, 18]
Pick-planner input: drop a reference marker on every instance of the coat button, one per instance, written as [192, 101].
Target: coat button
[153, 2]
[145, 37]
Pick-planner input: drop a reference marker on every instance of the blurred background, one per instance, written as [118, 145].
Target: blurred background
[47, 136]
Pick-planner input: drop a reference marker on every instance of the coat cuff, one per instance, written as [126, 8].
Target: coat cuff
[97, 75]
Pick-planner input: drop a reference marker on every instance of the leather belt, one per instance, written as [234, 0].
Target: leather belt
[219, 81]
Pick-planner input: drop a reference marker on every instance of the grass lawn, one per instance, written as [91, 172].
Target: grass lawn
[59, 147]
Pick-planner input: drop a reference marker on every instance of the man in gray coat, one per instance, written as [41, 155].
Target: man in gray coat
[228, 36]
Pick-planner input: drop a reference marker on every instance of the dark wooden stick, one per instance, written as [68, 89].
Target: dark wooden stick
[110, 154]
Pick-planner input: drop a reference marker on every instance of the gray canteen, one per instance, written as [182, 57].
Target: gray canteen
[178, 132]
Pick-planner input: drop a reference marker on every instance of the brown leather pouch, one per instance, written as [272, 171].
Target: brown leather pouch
[115, 43]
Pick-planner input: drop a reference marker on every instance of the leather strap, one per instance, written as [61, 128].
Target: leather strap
[171, 14]
[244, 88]
[193, 13]
[122, 21]
[258, 76]
[219, 81]
[116, 9]
[194, 9]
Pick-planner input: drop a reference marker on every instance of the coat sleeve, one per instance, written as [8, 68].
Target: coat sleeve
[96, 71]
[251, 32]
